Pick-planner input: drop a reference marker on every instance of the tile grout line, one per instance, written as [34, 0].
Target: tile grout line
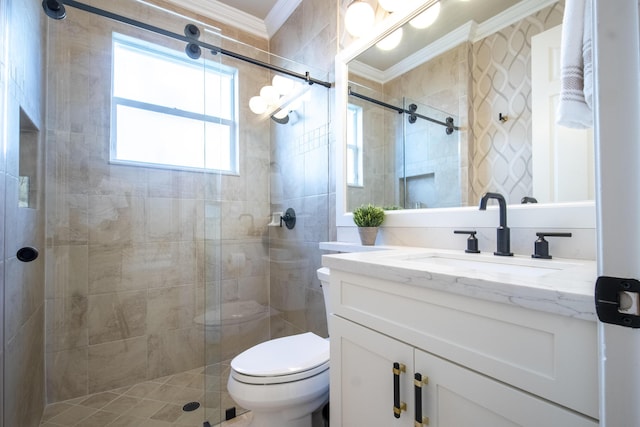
[75, 404]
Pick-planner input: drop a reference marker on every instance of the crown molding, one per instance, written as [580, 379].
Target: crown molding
[510, 16]
[460, 35]
[227, 15]
[279, 14]
[368, 72]
[471, 31]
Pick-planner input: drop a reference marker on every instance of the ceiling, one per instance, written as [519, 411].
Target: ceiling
[459, 21]
[259, 17]
[454, 14]
[260, 8]
[265, 17]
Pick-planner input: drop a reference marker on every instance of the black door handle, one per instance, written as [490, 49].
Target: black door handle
[398, 406]
[418, 381]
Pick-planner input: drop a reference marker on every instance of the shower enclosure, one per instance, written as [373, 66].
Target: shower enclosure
[160, 183]
[413, 152]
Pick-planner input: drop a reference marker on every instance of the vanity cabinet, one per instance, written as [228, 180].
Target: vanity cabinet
[485, 363]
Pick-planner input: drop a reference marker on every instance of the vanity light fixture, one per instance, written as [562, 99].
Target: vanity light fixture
[391, 41]
[281, 117]
[283, 85]
[284, 116]
[427, 17]
[258, 105]
[279, 98]
[359, 18]
[269, 94]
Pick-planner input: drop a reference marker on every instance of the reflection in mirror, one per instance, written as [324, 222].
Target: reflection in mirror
[408, 144]
[477, 67]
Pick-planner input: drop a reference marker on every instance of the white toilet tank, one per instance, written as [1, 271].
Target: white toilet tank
[323, 275]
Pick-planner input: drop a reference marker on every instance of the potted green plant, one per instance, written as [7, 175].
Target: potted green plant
[368, 218]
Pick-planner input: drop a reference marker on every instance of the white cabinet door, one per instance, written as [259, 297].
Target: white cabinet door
[362, 388]
[457, 397]
[362, 392]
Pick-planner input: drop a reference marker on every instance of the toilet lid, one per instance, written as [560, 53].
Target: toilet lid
[283, 357]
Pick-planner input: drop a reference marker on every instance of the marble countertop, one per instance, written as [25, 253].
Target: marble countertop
[559, 286]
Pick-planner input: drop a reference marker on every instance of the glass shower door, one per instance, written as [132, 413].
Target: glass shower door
[236, 245]
[131, 223]
[433, 166]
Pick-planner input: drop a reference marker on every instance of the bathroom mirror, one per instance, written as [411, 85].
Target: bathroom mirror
[474, 64]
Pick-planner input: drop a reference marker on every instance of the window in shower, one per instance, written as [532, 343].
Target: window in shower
[354, 146]
[170, 111]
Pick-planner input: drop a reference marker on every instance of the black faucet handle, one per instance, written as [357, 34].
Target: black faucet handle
[472, 241]
[541, 246]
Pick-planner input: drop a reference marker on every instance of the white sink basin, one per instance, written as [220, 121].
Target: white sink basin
[502, 265]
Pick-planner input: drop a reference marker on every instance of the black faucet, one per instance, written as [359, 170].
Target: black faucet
[504, 239]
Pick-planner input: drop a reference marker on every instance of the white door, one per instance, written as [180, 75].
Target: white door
[617, 136]
[562, 158]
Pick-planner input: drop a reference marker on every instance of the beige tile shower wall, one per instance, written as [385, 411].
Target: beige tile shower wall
[302, 173]
[502, 84]
[22, 302]
[441, 83]
[135, 254]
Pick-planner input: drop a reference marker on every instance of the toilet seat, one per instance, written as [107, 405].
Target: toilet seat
[282, 360]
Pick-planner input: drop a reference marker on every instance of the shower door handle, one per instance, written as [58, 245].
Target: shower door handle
[398, 406]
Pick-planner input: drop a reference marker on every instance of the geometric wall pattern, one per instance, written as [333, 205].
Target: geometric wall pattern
[500, 154]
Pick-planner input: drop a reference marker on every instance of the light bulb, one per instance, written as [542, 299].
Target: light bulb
[270, 94]
[391, 41]
[359, 18]
[426, 18]
[283, 85]
[258, 105]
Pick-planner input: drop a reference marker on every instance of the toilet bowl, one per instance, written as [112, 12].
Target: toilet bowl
[230, 317]
[229, 326]
[284, 380]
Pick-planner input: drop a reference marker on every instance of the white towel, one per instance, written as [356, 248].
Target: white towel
[576, 92]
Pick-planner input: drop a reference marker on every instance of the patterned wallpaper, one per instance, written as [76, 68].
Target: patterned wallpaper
[501, 77]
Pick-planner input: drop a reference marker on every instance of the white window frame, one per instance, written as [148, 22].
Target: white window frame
[181, 58]
[355, 137]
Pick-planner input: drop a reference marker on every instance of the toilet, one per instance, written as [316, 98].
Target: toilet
[284, 380]
[231, 318]
[228, 326]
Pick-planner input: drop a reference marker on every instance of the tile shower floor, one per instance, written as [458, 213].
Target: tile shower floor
[154, 403]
